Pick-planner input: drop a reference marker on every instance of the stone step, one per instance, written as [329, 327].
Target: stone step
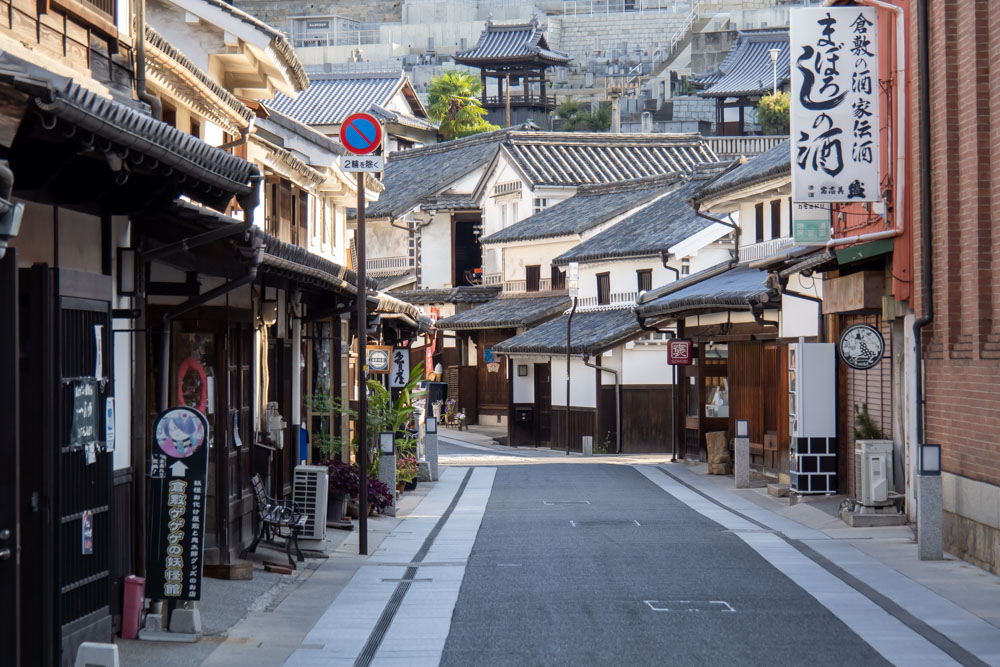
[780, 490]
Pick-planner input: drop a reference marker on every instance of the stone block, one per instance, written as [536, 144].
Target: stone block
[94, 654]
[186, 621]
[779, 490]
[718, 445]
[719, 469]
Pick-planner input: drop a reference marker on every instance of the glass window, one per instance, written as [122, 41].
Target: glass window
[716, 396]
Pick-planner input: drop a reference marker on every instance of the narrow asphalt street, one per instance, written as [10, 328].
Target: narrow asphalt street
[532, 557]
[595, 565]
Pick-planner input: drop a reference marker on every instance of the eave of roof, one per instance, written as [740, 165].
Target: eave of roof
[511, 42]
[591, 333]
[772, 164]
[506, 313]
[125, 126]
[161, 48]
[295, 72]
[738, 287]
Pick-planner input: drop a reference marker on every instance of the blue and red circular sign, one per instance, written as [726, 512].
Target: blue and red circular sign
[361, 133]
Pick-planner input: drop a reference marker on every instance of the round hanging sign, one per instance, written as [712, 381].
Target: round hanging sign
[361, 133]
[861, 346]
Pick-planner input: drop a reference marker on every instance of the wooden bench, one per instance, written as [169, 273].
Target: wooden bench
[277, 519]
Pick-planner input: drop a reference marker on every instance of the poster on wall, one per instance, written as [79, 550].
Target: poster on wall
[83, 430]
[834, 113]
[177, 485]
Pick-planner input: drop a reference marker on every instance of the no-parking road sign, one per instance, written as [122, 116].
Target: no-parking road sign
[361, 133]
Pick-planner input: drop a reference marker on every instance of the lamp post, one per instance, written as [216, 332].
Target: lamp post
[774, 67]
[573, 284]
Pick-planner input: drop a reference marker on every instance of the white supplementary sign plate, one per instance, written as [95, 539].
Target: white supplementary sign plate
[363, 163]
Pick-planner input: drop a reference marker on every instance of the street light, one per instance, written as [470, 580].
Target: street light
[774, 66]
[573, 286]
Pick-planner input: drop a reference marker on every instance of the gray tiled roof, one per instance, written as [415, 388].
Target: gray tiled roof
[507, 42]
[507, 313]
[765, 166]
[589, 207]
[467, 294]
[747, 70]
[406, 119]
[414, 174]
[330, 98]
[590, 333]
[651, 231]
[592, 158]
[448, 202]
[736, 288]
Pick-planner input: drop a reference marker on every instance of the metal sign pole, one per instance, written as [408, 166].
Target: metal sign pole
[362, 421]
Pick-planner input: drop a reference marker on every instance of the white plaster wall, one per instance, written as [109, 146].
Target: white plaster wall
[194, 40]
[583, 390]
[646, 364]
[516, 257]
[435, 252]
[211, 133]
[384, 240]
[123, 353]
[524, 386]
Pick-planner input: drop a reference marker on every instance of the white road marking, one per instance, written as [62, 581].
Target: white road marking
[882, 631]
[690, 605]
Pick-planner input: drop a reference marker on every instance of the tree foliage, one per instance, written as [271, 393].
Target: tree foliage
[578, 117]
[453, 99]
[772, 112]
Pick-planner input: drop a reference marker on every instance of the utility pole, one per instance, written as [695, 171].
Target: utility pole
[573, 283]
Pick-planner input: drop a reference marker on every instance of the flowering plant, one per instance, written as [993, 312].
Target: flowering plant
[380, 495]
[407, 468]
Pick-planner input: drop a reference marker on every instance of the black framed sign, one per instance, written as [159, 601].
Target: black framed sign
[177, 486]
[861, 346]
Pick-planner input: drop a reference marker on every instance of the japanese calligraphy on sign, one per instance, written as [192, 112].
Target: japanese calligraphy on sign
[834, 105]
[400, 374]
[177, 485]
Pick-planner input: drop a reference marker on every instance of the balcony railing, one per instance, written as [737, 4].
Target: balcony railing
[732, 147]
[764, 249]
[376, 266]
[493, 279]
[544, 285]
[615, 300]
[500, 101]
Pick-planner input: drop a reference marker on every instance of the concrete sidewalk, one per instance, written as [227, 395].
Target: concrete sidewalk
[949, 599]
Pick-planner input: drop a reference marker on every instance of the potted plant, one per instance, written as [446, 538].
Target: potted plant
[407, 470]
[380, 496]
[344, 482]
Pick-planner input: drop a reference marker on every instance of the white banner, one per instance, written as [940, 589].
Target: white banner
[834, 105]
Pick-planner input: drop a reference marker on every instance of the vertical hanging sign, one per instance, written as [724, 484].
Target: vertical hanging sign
[834, 105]
[400, 367]
[178, 467]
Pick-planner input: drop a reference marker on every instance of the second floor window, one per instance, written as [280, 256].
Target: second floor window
[532, 276]
[686, 266]
[541, 203]
[776, 219]
[603, 288]
[759, 219]
[644, 279]
[558, 278]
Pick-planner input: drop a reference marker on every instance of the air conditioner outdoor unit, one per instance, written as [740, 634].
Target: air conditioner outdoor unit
[873, 468]
[309, 491]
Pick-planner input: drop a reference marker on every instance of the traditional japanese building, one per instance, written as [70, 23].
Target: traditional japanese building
[515, 56]
[747, 74]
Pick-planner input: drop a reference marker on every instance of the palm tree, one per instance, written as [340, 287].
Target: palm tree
[454, 103]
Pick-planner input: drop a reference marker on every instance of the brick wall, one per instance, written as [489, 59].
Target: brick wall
[962, 345]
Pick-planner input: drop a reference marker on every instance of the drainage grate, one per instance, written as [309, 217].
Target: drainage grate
[385, 620]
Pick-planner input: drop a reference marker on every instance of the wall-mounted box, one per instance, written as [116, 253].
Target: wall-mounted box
[848, 294]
